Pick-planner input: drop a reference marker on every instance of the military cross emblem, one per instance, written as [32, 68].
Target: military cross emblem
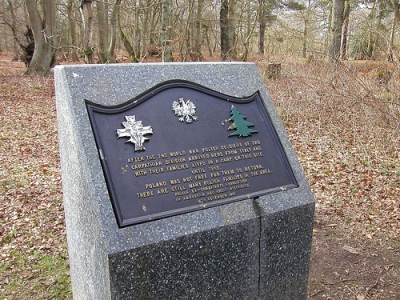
[135, 131]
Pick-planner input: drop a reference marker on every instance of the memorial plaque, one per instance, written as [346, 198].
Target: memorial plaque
[181, 147]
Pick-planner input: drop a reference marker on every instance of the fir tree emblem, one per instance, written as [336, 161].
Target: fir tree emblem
[135, 131]
[240, 125]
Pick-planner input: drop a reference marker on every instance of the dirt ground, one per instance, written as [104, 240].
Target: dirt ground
[356, 246]
[345, 265]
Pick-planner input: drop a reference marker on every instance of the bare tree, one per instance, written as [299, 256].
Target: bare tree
[345, 29]
[262, 21]
[125, 41]
[107, 30]
[336, 30]
[166, 31]
[44, 34]
[13, 26]
[247, 24]
[87, 20]
[71, 27]
[227, 25]
[396, 7]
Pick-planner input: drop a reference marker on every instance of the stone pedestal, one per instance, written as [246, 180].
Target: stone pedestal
[248, 249]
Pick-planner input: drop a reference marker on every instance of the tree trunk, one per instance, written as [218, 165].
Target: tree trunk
[227, 29]
[232, 24]
[166, 31]
[102, 26]
[378, 22]
[154, 11]
[44, 32]
[336, 30]
[198, 39]
[127, 44]
[189, 30]
[145, 25]
[377, 14]
[250, 26]
[13, 26]
[72, 34]
[329, 29]
[345, 28]
[224, 29]
[305, 31]
[305, 36]
[205, 34]
[262, 20]
[87, 20]
[396, 6]
[113, 38]
[139, 34]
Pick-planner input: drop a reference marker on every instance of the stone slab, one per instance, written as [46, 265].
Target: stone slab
[250, 249]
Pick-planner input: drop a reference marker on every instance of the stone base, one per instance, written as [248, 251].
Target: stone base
[250, 249]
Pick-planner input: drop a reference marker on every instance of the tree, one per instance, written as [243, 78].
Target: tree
[107, 30]
[247, 25]
[336, 30]
[125, 41]
[44, 34]
[113, 37]
[193, 30]
[227, 26]
[87, 20]
[306, 18]
[71, 28]
[166, 31]
[396, 7]
[265, 15]
[345, 28]
[13, 26]
[378, 15]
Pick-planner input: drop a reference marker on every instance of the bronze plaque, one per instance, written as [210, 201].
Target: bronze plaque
[181, 147]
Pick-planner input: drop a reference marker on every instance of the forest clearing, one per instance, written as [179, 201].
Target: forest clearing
[343, 121]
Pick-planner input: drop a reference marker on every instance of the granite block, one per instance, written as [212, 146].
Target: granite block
[249, 249]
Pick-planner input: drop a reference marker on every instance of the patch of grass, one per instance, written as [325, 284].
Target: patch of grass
[47, 273]
[55, 269]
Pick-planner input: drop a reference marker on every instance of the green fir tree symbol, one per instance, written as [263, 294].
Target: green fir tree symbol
[240, 124]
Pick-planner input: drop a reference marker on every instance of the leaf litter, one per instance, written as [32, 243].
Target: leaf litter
[341, 123]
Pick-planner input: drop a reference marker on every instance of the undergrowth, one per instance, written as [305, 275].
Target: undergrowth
[344, 124]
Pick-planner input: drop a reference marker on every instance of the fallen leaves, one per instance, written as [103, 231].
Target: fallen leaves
[30, 184]
[350, 157]
[349, 150]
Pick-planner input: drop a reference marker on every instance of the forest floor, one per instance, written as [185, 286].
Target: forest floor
[343, 122]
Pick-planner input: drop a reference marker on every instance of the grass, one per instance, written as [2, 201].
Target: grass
[47, 274]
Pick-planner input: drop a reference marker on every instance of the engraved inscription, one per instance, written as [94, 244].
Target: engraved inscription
[212, 172]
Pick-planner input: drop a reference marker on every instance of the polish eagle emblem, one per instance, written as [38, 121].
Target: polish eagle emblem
[185, 110]
[135, 131]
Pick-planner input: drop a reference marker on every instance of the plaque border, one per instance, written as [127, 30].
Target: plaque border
[93, 108]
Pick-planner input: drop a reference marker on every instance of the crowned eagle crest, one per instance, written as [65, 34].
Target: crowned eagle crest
[185, 110]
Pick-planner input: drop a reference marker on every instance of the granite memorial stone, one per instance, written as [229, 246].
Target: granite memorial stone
[179, 182]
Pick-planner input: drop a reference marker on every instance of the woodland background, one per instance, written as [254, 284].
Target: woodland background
[337, 93]
[105, 31]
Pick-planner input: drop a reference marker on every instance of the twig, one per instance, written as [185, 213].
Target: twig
[340, 281]
[351, 291]
[374, 285]
[316, 293]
